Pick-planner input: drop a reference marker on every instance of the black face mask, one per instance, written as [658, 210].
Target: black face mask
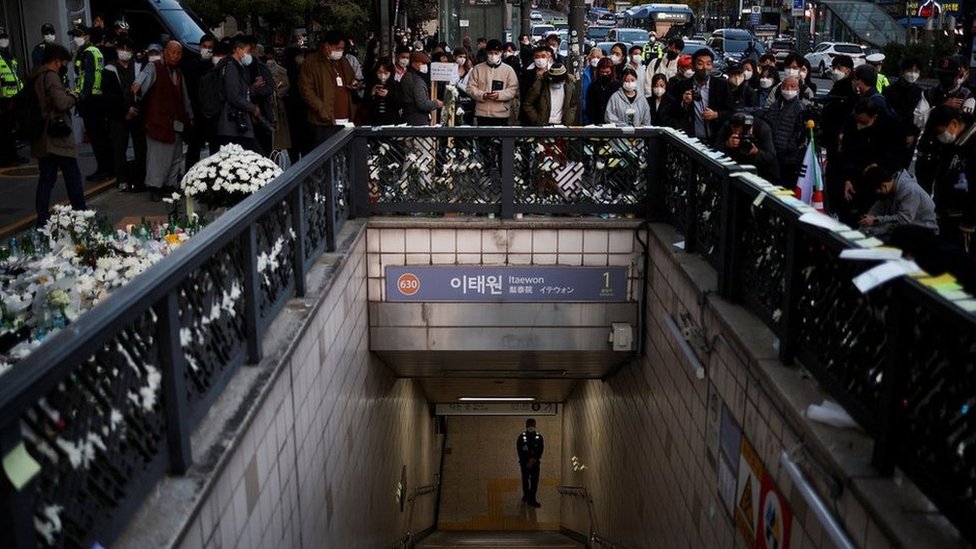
[671, 55]
[605, 78]
[947, 82]
[701, 75]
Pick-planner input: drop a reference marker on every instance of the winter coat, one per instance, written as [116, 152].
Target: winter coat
[55, 103]
[317, 83]
[237, 100]
[480, 83]
[618, 106]
[538, 103]
[415, 99]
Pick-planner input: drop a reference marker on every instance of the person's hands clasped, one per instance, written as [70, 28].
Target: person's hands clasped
[849, 191]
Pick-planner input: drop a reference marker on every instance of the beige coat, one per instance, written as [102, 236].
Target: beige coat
[55, 103]
[479, 83]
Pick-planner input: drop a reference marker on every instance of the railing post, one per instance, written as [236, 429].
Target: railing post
[16, 506]
[891, 411]
[252, 291]
[508, 178]
[359, 166]
[173, 364]
[791, 296]
[728, 239]
[330, 207]
[691, 216]
[655, 176]
[297, 204]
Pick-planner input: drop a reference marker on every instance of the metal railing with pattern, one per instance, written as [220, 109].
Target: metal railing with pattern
[106, 405]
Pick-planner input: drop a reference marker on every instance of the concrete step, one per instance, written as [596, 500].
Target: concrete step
[497, 540]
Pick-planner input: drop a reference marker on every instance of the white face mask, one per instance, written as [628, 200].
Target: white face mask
[765, 82]
[630, 86]
[154, 58]
[616, 59]
[795, 73]
[594, 62]
[206, 54]
[125, 55]
[946, 137]
[247, 59]
[423, 69]
[747, 75]
[494, 59]
[383, 77]
[461, 60]
[216, 60]
[837, 75]
[4, 42]
[542, 63]
[79, 41]
[636, 59]
[658, 92]
[688, 73]
[790, 94]
[49, 38]
[403, 61]
[335, 55]
[911, 77]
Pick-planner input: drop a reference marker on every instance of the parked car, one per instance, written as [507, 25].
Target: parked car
[597, 33]
[535, 17]
[629, 36]
[541, 31]
[822, 56]
[733, 43]
[780, 48]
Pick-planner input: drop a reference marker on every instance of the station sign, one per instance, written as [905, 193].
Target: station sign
[506, 284]
[496, 409]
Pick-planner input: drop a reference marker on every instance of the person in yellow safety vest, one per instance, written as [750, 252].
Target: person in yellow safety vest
[653, 49]
[89, 71]
[876, 59]
[10, 84]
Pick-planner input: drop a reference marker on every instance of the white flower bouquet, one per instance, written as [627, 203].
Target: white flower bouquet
[226, 178]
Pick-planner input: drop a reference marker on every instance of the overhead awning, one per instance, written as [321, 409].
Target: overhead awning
[868, 21]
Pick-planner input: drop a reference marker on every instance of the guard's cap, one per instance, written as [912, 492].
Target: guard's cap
[875, 58]
[80, 30]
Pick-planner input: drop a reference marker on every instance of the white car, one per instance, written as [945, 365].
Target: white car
[536, 17]
[823, 55]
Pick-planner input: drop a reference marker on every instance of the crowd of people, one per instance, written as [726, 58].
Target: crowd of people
[291, 99]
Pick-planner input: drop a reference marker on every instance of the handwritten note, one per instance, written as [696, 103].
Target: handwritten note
[888, 270]
[879, 253]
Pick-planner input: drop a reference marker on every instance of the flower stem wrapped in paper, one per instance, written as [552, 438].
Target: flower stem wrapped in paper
[224, 179]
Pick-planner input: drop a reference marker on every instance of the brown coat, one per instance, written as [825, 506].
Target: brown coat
[317, 83]
[55, 103]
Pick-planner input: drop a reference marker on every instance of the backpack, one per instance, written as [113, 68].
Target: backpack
[28, 115]
[211, 92]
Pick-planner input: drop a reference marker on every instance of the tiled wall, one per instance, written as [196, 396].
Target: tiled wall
[482, 488]
[320, 463]
[395, 242]
[642, 435]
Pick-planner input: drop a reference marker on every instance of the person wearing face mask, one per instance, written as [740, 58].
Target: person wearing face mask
[684, 75]
[124, 120]
[666, 64]
[464, 114]
[902, 96]
[799, 68]
[749, 74]
[235, 123]
[193, 69]
[552, 100]
[900, 201]
[168, 116]
[282, 88]
[743, 98]
[381, 102]
[865, 80]
[541, 61]
[10, 84]
[263, 95]
[659, 100]
[711, 95]
[627, 107]
[766, 85]
[788, 125]
[494, 86]
[402, 62]
[589, 75]
[635, 61]
[48, 36]
[837, 109]
[947, 92]
[89, 73]
[955, 182]
[530, 446]
[415, 93]
[876, 60]
[748, 140]
[553, 42]
[601, 90]
[868, 138]
[618, 55]
[327, 82]
[55, 153]
[511, 58]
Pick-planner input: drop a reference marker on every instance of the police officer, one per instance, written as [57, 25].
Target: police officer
[530, 446]
[48, 36]
[89, 72]
[10, 84]
[876, 59]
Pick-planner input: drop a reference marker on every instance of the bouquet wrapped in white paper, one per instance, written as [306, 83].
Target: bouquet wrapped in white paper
[224, 179]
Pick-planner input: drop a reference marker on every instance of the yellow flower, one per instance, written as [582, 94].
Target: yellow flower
[173, 239]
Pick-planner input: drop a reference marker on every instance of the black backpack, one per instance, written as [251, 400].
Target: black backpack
[28, 116]
[211, 91]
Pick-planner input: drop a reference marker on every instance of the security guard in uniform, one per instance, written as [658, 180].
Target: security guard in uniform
[652, 48]
[89, 71]
[876, 59]
[10, 84]
[530, 447]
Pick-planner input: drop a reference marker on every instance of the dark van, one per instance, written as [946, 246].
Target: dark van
[154, 21]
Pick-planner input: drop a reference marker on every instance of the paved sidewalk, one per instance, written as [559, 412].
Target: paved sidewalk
[18, 186]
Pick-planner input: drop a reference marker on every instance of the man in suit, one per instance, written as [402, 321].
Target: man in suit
[712, 97]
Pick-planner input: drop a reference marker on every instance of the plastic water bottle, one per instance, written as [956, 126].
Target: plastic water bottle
[59, 321]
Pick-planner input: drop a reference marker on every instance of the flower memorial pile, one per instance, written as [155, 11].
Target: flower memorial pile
[74, 262]
[232, 174]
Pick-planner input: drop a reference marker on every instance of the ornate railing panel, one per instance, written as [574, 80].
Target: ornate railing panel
[106, 406]
[762, 275]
